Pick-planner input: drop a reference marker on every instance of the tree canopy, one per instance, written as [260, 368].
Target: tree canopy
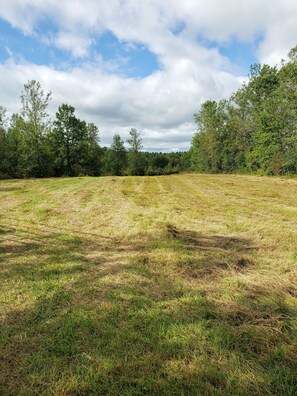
[253, 131]
[33, 145]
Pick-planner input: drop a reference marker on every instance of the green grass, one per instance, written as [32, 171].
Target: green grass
[176, 285]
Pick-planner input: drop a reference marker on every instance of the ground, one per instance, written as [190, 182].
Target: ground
[170, 285]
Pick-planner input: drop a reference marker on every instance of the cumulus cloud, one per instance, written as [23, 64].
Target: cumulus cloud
[184, 36]
[163, 102]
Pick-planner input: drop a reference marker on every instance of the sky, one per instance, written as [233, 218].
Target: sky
[146, 64]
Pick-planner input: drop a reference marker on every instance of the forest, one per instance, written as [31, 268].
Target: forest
[254, 131]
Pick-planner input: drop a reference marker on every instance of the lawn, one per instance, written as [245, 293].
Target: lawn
[171, 285]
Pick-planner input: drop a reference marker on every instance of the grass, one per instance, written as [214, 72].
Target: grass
[175, 285]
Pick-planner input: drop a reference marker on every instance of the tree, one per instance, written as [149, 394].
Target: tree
[3, 144]
[136, 158]
[207, 143]
[256, 129]
[287, 113]
[92, 152]
[65, 140]
[35, 128]
[75, 144]
[34, 106]
[3, 117]
[15, 148]
[117, 156]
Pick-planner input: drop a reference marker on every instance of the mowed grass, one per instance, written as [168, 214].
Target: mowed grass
[174, 285]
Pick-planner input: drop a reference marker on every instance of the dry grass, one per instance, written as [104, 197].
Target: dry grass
[183, 284]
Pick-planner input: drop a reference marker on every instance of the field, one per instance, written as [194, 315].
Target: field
[174, 285]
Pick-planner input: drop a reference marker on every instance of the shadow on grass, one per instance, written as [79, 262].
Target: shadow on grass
[128, 319]
[8, 189]
[212, 255]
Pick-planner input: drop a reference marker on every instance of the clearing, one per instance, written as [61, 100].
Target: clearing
[173, 285]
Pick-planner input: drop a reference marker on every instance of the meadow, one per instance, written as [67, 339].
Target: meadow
[172, 285]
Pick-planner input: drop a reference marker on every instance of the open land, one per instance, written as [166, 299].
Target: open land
[172, 285]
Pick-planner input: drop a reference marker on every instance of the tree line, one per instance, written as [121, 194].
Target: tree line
[255, 130]
[33, 145]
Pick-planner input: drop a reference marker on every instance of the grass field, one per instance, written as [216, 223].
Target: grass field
[174, 285]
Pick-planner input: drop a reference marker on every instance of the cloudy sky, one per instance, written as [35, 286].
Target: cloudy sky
[139, 64]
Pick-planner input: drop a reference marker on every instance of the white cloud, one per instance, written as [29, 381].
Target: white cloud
[162, 104]
[145, 21]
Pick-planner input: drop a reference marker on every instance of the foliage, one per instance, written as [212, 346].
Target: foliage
[136, 157]
[32, 145]
[255, 130]
[34, 129]
[75, 144]
[117, 160]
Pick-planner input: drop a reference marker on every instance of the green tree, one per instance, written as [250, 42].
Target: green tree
[136, 157]
[92, 152]
[117, 156]
[256, 129]
[3, 144]
[3, 117]
[207, 143]
[75, 144]
[16, 154]
[66, 140]
[287, 113]
[35, 128]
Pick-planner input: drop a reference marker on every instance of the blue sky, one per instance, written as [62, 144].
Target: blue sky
[130, 59]
[148, 65]
[127, 59]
